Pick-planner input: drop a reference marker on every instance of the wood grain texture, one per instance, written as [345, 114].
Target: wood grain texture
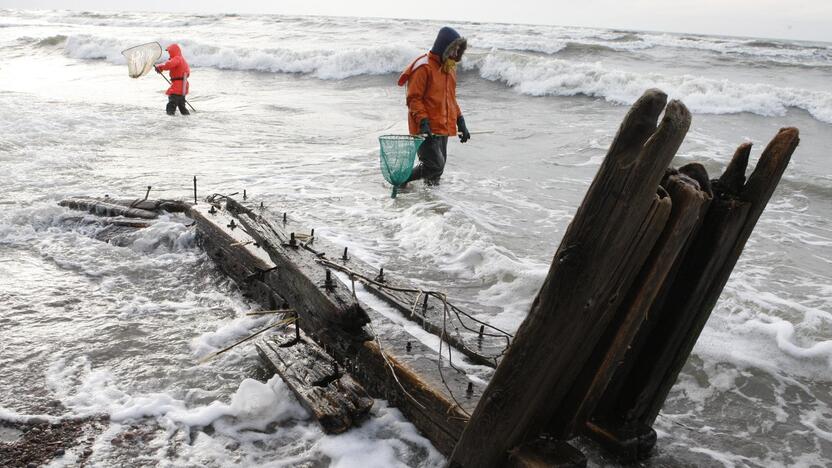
[588, 279]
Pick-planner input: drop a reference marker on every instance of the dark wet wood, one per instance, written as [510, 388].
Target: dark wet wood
[699, 278]
[462, 332]
[546, 453]
[589, 277]
[301, 279]
[332, 397]
[612, 345]
[689, 203]
[394, 366]
[105, 208]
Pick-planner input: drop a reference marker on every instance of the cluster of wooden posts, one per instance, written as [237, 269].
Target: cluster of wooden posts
[630, 288]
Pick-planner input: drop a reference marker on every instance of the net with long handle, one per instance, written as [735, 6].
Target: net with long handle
[140, 59]
[398, 152]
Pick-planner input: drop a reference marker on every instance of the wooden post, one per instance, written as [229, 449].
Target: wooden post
[688, 203]
[639, 389]
[588, 279]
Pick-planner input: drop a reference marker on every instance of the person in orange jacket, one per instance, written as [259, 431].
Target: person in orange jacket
[179, 73]
[431, 103]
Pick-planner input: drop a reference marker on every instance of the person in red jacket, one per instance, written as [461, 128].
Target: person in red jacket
[431, 103]
[179, 73]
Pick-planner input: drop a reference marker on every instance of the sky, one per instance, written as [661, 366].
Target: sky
[796, 19]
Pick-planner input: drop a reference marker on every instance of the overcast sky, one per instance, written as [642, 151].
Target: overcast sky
[795, 19]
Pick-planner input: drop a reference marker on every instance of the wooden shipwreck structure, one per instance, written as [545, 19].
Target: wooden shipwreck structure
[630, 289]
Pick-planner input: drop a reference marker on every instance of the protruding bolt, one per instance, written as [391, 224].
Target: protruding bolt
[262, 205]
[232, 225]
[482, 330]
[195, 190]
[292, 241]
[245, 197]
[328, 283]
[470, 390]
[284, 217]
[380, 277]
[408, 347]
[297, 327]
[213, 210]
[148, 192]
[335, 367]
[345, 257]
[312, 233]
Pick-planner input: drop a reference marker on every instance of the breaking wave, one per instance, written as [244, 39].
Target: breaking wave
[323, 64]
[542, 76]
[530, 75]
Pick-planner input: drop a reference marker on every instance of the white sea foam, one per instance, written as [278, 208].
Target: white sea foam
[256, 416]
[541, 76]
[328, 64]
[531, 75]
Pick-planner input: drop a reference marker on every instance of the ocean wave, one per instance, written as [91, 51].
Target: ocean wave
[323, 63]
[543, 76]
[530, 75]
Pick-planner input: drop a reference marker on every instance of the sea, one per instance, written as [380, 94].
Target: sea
[290, 108]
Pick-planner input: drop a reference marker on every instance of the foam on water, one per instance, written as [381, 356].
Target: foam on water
[538, 76]
[120, 329]
[532, 75]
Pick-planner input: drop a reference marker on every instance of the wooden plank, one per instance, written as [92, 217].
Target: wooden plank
[689, 203]
[336, 400]
[312, 290]
[395, 366]
[237, 254]
[479, 342]
[628, 412]
[546, 453]
[105, 208]
[612, 345]
[585, 285]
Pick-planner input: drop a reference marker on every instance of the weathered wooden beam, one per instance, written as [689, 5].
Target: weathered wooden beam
[461, 332]
[311, 289]
[433, 395]
[689, 203]
[320, 384]
[612, 345]
[546, 453]
[105, 208]
[635, 396]
[236, 253]
[588, 279]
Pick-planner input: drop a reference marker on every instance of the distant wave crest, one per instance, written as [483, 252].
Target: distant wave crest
[323, 64]
[540, 76]
[531, 75]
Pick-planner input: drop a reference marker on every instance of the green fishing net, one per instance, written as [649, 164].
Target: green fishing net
[398, 152]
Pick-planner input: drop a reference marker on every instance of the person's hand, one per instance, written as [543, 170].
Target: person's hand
[156, 67]
[424, 127]
[465, 135]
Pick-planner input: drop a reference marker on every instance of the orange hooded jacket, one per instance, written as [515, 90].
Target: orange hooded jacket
[179, 71]
[431, 94]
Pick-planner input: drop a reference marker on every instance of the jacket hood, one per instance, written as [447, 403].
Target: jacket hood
[174, 50]
[448, 42]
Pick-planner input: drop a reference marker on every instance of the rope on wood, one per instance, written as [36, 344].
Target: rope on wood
[419, 292]
[280, 323]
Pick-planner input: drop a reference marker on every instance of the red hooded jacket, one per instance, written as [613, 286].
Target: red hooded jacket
[179, 71]
[431, 94]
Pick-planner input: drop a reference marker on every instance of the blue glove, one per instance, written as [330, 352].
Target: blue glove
[460, 125]
[424, 127]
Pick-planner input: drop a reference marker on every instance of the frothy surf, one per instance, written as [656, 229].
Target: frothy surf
[530, 75]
